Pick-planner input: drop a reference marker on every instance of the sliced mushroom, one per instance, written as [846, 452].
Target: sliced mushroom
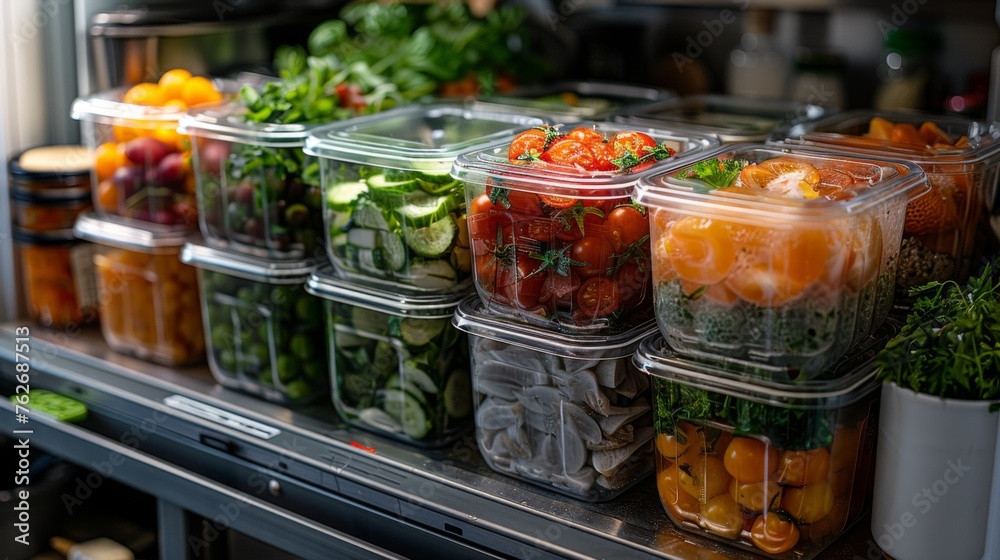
[574, 420]
[584, 389]
[628, 387]
[610, 372]
[579, 482]
[608, 462]
[497, 414]
[618, 417]
[620, 438]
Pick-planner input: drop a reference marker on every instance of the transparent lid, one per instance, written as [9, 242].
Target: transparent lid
[877, 180]
[731, 119]
[473, 318]
[53, 237]
[326, 284]
[124, 233]
[846, 132]
[489, 165]
[579, 99]
[848, 381]
[246, 266]
[107, 107]
[227, 122]
[414, 137]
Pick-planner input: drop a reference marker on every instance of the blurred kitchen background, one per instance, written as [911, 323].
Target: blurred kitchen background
[925, 54]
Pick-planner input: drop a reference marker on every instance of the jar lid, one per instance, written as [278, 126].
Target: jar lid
[246, 266]
[123, 233]
[52, 237]
[227, 123]
[51, 197]
[473, 318]
[326, 284]
[415, 137]
[56, 165]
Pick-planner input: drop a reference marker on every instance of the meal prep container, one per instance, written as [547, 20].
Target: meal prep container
[264, 332]
[562, 248]
[142, 164]
[148, 299]
[777, 471]
[256, 188]
[393, 213]
[730, 119]
[566, 412]
[398, 366]
[745, 273]
[947, 232]
[51, 173]
[44, 213]
[573, 101]
[57, 277]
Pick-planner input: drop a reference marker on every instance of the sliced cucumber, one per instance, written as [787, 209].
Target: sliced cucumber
[368, 215]
[363, 238]
[419, 378]
[346, 339]
[341, 197]
[419, 331]
[428, 177]
[339, 221]
[378, 418]
[458, 394]
[365, 320]
[438, 188]
[432, 275]
[419, 208]
[381, 182]
[432, 241]
[396, 382]
[414, 419]
[393, 251]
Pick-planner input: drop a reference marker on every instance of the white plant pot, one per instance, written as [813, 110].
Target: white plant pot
[933, 476]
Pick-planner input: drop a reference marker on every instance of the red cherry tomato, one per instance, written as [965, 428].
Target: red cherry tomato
[634, 283]
[625, 225]
[515, 201]
[558, 290]
[595, 252]
[579, 220]
[532, 227]
[598, 297]
[519, 284]
[570, 152]
[636, 143]
[529, 145]
[603, 154]
[557, 201]
[586, 135]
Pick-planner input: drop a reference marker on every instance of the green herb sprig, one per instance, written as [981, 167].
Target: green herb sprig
[716, 173]
[950, 344]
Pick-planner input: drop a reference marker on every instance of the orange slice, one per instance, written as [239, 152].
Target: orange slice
[933, 135]
[905, 133]
[700, 249]
[783, 176]
[880, 129]
[933, 212]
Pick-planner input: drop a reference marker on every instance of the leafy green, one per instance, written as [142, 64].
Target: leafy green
[716, 173]
[950, 344]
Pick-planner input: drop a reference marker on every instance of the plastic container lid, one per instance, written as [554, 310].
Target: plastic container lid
[57, 165]
[556, 101]
[855, 379]
[107, 107]
[246, 266]
[688, 197]
[414, 137]
[123, 233]
[325, 284]
[53, 237]
[473, 318]
[840, 132]
[226, 123]
[731, 119]
[490, 163]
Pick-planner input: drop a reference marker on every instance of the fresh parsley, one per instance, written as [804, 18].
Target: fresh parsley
[949, 346]
[716, 173]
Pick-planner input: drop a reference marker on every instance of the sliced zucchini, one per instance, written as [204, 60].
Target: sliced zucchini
[368, 215]
[397, 382]
[393, 251]
[381, 182]
[419, 208]
[419, 331]
[432, 274]
[458, 394]
[431, 241]
[341, 197]
[404, 407]
[418, 377]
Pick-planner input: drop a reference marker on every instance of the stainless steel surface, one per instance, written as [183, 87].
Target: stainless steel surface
[449, 492]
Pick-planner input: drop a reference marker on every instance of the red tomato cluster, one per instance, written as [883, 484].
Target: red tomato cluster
[587, 149]
[573, 260]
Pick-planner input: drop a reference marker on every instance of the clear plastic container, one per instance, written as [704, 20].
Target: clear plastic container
[562, 248]
[264, 332]
[730, 119]
[947, 232]
[398, 366]
[393, 213]
[256, 188]
[759, 271]
[574, 101]
[777, 471]
[57, 277]
[142, 164]
[41, 213]
[566, 412]
[148, 299]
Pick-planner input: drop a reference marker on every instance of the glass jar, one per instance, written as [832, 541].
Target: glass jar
[57, 277]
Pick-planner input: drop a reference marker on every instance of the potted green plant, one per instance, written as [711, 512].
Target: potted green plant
[937, 443]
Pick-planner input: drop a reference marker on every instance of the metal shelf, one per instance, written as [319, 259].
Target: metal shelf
[410, 502]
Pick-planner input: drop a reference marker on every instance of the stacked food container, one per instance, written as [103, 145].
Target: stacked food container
[398, 239]
[50, 187]
[773, 274]
[562, 277]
